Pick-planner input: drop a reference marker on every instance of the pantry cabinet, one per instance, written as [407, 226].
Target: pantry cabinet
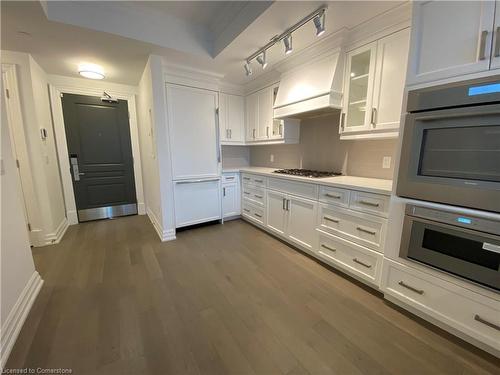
[374, 87]
[261, 127]
[231, 119]
[450, 39]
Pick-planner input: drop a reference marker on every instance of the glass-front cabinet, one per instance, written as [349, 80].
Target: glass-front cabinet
[360, 71]
[277, 127]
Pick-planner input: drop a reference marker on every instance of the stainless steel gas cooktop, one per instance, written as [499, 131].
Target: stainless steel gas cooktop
[307, 173]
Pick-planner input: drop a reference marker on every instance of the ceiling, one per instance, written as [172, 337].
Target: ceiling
[210, 35]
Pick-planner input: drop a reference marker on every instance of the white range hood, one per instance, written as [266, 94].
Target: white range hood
[312, 89]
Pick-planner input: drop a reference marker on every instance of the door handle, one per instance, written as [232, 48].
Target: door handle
[195, 181]
[497, 43]
[217, 134]
[482, 45]
[284, 204]
[267, 131]
[253, 133]
[342, 122]
[491, 247]
[288, 204]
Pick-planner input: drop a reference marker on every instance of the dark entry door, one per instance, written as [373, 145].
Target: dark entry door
[100, 152]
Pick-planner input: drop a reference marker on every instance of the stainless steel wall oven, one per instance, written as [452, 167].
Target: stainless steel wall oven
[451, 145]
[462, 245]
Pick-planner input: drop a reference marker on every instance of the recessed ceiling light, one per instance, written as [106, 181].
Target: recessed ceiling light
[92, 71]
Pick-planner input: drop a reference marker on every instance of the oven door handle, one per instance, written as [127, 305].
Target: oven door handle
[491, 247]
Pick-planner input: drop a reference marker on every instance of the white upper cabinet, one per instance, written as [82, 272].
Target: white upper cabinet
[373, 88]
[261, 127]
[449, 39]
[231, 119]
[495, 57]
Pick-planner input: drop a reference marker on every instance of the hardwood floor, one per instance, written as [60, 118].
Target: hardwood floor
[221, 299]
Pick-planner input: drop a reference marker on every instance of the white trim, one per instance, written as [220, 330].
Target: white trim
[17, 316]
[164, 234]
[62, 147]
[53, 238]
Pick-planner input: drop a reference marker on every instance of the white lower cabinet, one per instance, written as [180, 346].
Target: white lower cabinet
[230, 200]
[252, 212]
[359, 261]
[276, 212]
[466, 312]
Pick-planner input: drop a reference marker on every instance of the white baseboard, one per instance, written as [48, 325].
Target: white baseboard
[141, 208]
[55, 237]
[165, 235]
[17, 316]
[72, 217]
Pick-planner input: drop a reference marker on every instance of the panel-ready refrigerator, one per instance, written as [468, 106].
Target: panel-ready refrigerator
[195, 153]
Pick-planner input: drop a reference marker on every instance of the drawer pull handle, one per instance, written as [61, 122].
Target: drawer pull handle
[356, 260]
[404, 285]
[329, 195]
[258, 215]
[367, 203]
[489, 324]
[246, 178]
[246, 210]
[258, 196]
[259, 180]
[246, 192]
[229, 178]
[328, 247]
[361, 229]
[329, 218]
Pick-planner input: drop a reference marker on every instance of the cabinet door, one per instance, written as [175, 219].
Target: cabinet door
[301, 222]
[235, 118]
[495, 55]
[265, 113]
[450, 39]
[252, 115]
[358, 89]
[277, 131]
[276, 212]
[223, 111]
[390, 76]
[230, 200]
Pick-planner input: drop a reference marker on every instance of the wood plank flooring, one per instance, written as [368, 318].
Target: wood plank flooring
[221, 299]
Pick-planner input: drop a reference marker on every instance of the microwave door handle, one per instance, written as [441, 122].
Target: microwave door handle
[491, 247]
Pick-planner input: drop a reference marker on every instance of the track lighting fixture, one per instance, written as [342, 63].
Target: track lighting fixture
[261, 59]
[248, 68]
[319, 23]
[318, 18]
[287, 41]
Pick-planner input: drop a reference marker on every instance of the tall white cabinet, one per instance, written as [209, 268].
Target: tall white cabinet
[452, 38]
[374, 84]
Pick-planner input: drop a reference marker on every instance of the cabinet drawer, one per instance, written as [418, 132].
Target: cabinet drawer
[358, 260]
[460, 308]
[230, 178]
[368, 202]
[333, 195]
[253, 212]
[301, 189]
[254, 194]
[366, 230]
[254, 179]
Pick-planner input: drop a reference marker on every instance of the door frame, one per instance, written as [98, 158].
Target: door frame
[62, 145]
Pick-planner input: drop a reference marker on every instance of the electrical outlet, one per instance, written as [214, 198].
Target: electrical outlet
[386, 162]
[271, 158]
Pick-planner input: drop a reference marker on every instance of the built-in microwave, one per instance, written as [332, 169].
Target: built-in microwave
[451, 145]
[460, 244]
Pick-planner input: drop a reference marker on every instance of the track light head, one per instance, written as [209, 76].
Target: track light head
[287, 41]
[248, 68]
[319, 23]
[261, 59]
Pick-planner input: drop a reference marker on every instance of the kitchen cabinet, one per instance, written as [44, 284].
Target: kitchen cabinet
[276, 212]
[231, 119]
[495, 54]
[231, 201]
[450, 39]
[261, 127]
[374, 88]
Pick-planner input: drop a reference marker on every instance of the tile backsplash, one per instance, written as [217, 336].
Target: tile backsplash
[321, 148]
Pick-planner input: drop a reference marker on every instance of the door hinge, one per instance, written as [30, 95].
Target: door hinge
[18, 165]
[29, 227]
[7, 93]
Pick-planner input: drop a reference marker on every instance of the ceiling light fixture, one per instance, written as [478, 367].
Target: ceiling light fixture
[287, 41]
[92, 71]
[319, 23]
[248, 68]
[261, 59]
[318, 17]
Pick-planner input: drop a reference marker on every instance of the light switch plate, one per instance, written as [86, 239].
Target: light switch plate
[386, 162]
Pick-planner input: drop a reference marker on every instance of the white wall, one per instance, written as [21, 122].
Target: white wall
[155, 152]
[19, 282]
[50, 219]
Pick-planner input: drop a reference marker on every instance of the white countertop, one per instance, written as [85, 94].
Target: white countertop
[372, 185]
